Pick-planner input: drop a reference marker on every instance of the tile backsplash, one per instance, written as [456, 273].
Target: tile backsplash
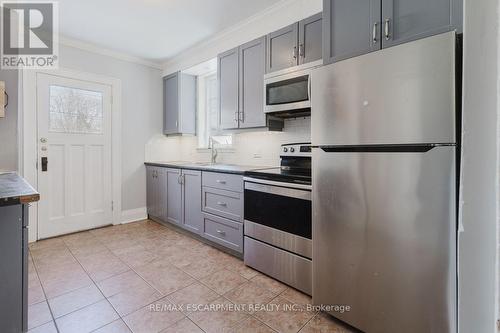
[260, 147]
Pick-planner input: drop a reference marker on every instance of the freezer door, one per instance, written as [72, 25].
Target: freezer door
[384, 238]
[400, 95]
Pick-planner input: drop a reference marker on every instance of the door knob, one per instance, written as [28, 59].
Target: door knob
[43, 140]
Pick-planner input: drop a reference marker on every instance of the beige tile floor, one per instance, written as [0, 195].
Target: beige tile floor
[127, 278]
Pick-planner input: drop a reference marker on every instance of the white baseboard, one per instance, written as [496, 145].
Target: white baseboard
[133, 215]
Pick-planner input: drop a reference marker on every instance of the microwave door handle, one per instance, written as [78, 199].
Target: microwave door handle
[309, 87]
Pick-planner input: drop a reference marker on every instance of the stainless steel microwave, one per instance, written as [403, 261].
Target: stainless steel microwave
[288, 93]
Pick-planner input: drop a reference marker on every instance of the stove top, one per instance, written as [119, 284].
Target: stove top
[295, 165]
[302, 176]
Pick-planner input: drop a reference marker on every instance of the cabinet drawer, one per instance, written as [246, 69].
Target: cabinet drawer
[223, 203]
[223, 181]
[224, 232]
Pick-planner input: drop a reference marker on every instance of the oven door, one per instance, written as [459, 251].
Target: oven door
[288, 92]
[279, 214]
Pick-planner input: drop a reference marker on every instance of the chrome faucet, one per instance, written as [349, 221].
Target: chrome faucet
[213, 151]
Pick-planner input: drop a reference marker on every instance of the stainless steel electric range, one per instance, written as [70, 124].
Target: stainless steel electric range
[278, 218]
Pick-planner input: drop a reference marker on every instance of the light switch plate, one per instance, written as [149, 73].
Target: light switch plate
[2, 99]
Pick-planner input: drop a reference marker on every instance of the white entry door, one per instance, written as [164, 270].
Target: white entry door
[74, 155]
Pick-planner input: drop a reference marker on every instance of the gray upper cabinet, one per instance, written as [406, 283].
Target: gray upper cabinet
[174, 196]
[191, 201]
[407, 20]
[282, 48]
[179, 104]
[350, 28]
[252, 67]
[356, 27]
[227, 72]
[310, 39]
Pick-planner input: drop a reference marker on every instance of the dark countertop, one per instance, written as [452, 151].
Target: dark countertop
[202, 166]
[15, 190]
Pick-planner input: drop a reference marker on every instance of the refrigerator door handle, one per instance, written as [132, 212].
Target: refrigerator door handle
[423, 148]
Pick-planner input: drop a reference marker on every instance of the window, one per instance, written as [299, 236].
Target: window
[207, 105]
[73, 110]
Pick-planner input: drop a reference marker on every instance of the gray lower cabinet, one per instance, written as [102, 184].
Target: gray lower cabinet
[14, 268]
[407, 20]
[174, 195]
[191, 198]
[179, 104]
[356, 27]
[252, 67]
[223, 231]
[224, 203]
[209, 204]
[227, 73]
[156, 185]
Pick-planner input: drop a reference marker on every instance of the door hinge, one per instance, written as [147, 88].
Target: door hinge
[112, 206]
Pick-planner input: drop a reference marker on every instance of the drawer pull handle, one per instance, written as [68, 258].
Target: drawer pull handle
[223, 204]
[220, 232]
[220, 181]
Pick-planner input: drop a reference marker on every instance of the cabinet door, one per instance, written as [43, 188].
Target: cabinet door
[174, 196]
[171, 104]
[282, 49]
[407, 20]
[187, 104]
[161, 194]
[151, 190]
[252, 68]
[350, 28]
[11, 269]
[191, 197]
[310, 39]
[228, 88]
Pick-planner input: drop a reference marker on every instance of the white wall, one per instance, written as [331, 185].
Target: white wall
[478, 243]
[255, 148]
[141, 113]
[282, 14]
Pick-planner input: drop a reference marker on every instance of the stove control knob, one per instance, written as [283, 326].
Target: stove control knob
[292, 150]
[285, 149]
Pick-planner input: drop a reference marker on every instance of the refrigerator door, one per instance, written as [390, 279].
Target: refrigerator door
[400, 95]
[384, 238]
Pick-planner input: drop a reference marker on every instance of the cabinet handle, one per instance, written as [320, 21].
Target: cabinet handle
[295, 52]
[374, 33]
[301, 50]
[387, 29]
[179, 179]
[236, 116]
[220, 232]
[242, 118]
[223, 204]
[220, 181]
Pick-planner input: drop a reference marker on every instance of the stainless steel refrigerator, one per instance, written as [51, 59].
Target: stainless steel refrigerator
[384, 188]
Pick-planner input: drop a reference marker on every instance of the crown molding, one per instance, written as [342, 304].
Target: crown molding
[228, 31]
[90, 47]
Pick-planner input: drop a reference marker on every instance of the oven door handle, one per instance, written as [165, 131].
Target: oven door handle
[278, 190]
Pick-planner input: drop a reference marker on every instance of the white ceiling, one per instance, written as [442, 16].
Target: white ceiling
[155, 30]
